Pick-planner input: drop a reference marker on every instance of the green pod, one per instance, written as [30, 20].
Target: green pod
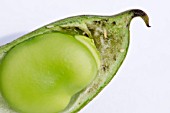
[61, 67]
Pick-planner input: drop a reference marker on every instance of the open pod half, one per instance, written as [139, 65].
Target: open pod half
[103, 39]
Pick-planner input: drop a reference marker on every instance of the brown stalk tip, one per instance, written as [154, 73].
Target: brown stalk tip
[142, 14]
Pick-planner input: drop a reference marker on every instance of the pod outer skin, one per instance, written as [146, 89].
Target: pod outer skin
[111, 38]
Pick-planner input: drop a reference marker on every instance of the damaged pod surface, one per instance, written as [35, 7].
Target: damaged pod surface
[62, 66]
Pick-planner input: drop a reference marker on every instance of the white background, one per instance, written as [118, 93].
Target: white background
[142, 84]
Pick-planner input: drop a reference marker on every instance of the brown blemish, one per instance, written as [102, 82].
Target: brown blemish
[85, 34]
[105, 67]
[113, 23]
[127, 25]
[90, 90]
[114, 57]
[78, 29]
[97, 22]
[105, 20]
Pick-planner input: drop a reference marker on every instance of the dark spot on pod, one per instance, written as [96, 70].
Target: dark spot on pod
[103, 24]
[105, 67]
[90, 90]
[114, 58]
[107, 38]
[114, 23]
[97, 22]
[105, 20]
[78, 30]
[127, 25]
[91, 29]
[85, 34]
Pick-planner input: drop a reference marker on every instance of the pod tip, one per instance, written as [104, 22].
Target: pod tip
[142, 14]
